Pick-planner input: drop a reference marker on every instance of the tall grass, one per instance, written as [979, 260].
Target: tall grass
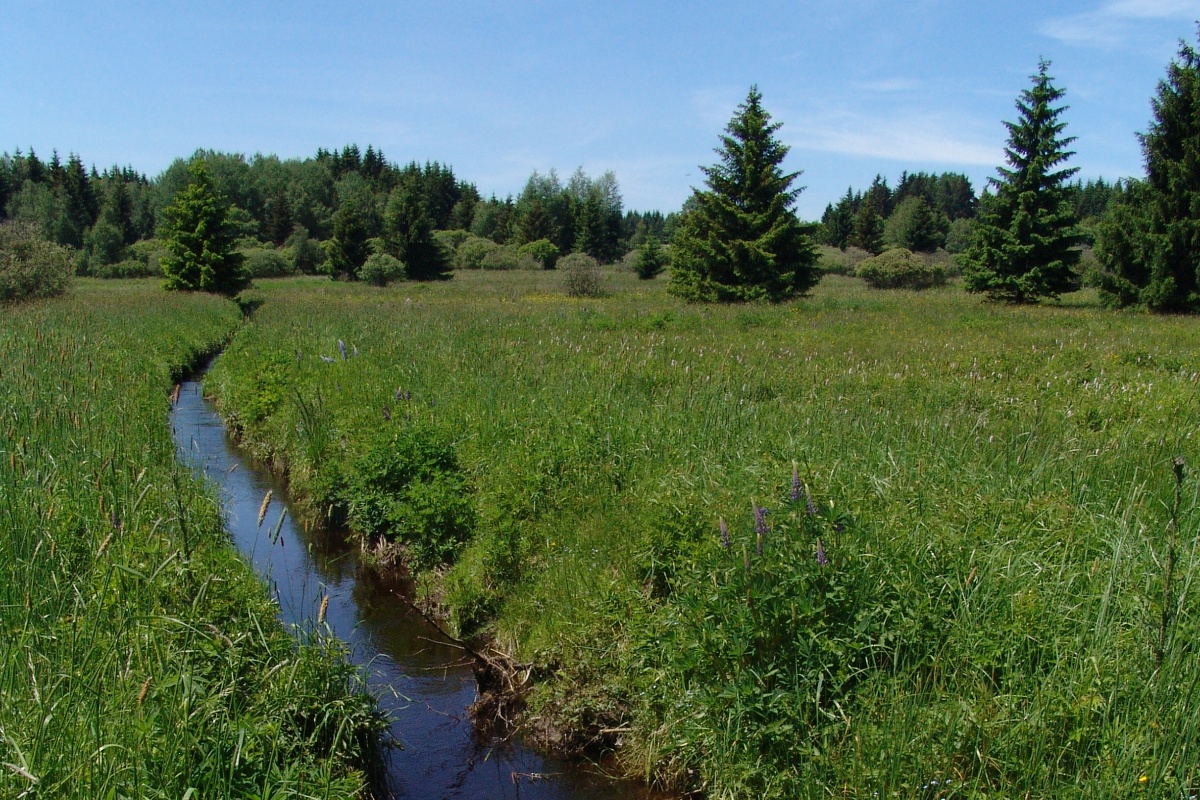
[139, 656]
[1007, 605]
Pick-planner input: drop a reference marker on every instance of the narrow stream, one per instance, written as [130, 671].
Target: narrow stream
[424, 684]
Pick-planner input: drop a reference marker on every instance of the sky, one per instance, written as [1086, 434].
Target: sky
[500, 89]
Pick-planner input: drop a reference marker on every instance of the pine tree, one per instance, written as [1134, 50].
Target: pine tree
[200, 240]
[650, 259]
[1026, 245]
[866, 230]
[741, 240]
[1149, 242]
[408, 236]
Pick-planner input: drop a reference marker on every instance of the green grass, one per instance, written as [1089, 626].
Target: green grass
[994, 490]
[139, 655]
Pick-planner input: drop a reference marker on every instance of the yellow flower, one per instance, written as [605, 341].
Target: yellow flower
[1143, 779]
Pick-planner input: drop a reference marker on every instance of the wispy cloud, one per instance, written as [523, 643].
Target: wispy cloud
[912, 138]
[1109, 25]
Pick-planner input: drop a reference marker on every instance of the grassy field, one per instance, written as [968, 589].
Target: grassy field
[973, 575]
[139, 655]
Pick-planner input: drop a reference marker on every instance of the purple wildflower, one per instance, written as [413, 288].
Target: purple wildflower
[795, 483]
[760, 527]
[342, 349]
[822, 559]
[724, 534]
[387, 413]
[812, 507]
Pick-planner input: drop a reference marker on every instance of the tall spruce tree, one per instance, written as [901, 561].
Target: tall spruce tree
[1149, 242]
[199, 238]
[408, 235]
[741, 241]
[1026, 245]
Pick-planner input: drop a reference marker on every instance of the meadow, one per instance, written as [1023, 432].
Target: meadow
[868, 543]
[139, 654]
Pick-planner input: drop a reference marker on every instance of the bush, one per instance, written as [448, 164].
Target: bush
[306, 255]
[958, 238]
[266, 262]
[840, 262]
[900, 269]
[381, 269]
[129, 268]
[582, 276]
[30, 266]
[472, 251]
[450, 240]
[408, 487]
[543, 250]
[505, 257]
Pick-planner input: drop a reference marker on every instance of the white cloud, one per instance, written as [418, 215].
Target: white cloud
[924, 138]
[1109, 25]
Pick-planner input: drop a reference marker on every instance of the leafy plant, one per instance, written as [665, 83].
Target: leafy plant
[900, 269]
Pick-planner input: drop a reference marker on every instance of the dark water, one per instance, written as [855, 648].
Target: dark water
[422, 682]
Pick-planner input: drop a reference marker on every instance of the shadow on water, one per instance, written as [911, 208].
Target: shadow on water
[423, 683]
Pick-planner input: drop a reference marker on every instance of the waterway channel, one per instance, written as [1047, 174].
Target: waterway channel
[422, 682]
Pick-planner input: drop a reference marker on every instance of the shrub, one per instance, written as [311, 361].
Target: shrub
[543, 250]
[900, 269]
[307, 256]
[450, 240]
[408, 487]
[381, 269]
[505, 257]
[129, 268]
[840, 262]
[266, 262]
[582, 275]
[471, 253]
[30, 266]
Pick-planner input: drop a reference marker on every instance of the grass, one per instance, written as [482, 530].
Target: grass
[139, 655]
[1007, 607]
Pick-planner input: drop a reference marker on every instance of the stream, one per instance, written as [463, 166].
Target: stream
[422, 683]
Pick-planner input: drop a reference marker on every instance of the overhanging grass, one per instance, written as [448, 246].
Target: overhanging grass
[139, 655]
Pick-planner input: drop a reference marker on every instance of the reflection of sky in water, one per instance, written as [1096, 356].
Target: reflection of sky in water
[424, 684]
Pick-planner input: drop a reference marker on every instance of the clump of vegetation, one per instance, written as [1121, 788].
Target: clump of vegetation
[30, 266]
[267, 262]
[581, 276]
[380, 269]
[543, 250]
[833, 261]
[900, 269]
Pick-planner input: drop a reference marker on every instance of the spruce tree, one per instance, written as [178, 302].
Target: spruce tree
[1026, 244]
[408, 236]
[741, 240]
[866, 229]
[1149, 242]
[651, 260]
[200, 240]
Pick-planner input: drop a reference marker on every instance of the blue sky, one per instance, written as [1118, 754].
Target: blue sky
[497, 90]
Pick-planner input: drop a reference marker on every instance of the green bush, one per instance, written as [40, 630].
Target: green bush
[407, 486]
[30, 266]
[582, 275]
[129, 268]
[900, 269]
[840, 262]
[267, 262]
[381, 269]
[506, 257]
[472, 251]
[306, 255]
[544, 250]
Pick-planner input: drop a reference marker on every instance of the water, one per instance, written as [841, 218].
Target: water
[423, 682]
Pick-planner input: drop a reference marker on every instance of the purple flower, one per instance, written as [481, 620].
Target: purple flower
[822, 559]
[342, 348]
[760, 527]
[724, 534]
[795, 483]
[812, 507]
